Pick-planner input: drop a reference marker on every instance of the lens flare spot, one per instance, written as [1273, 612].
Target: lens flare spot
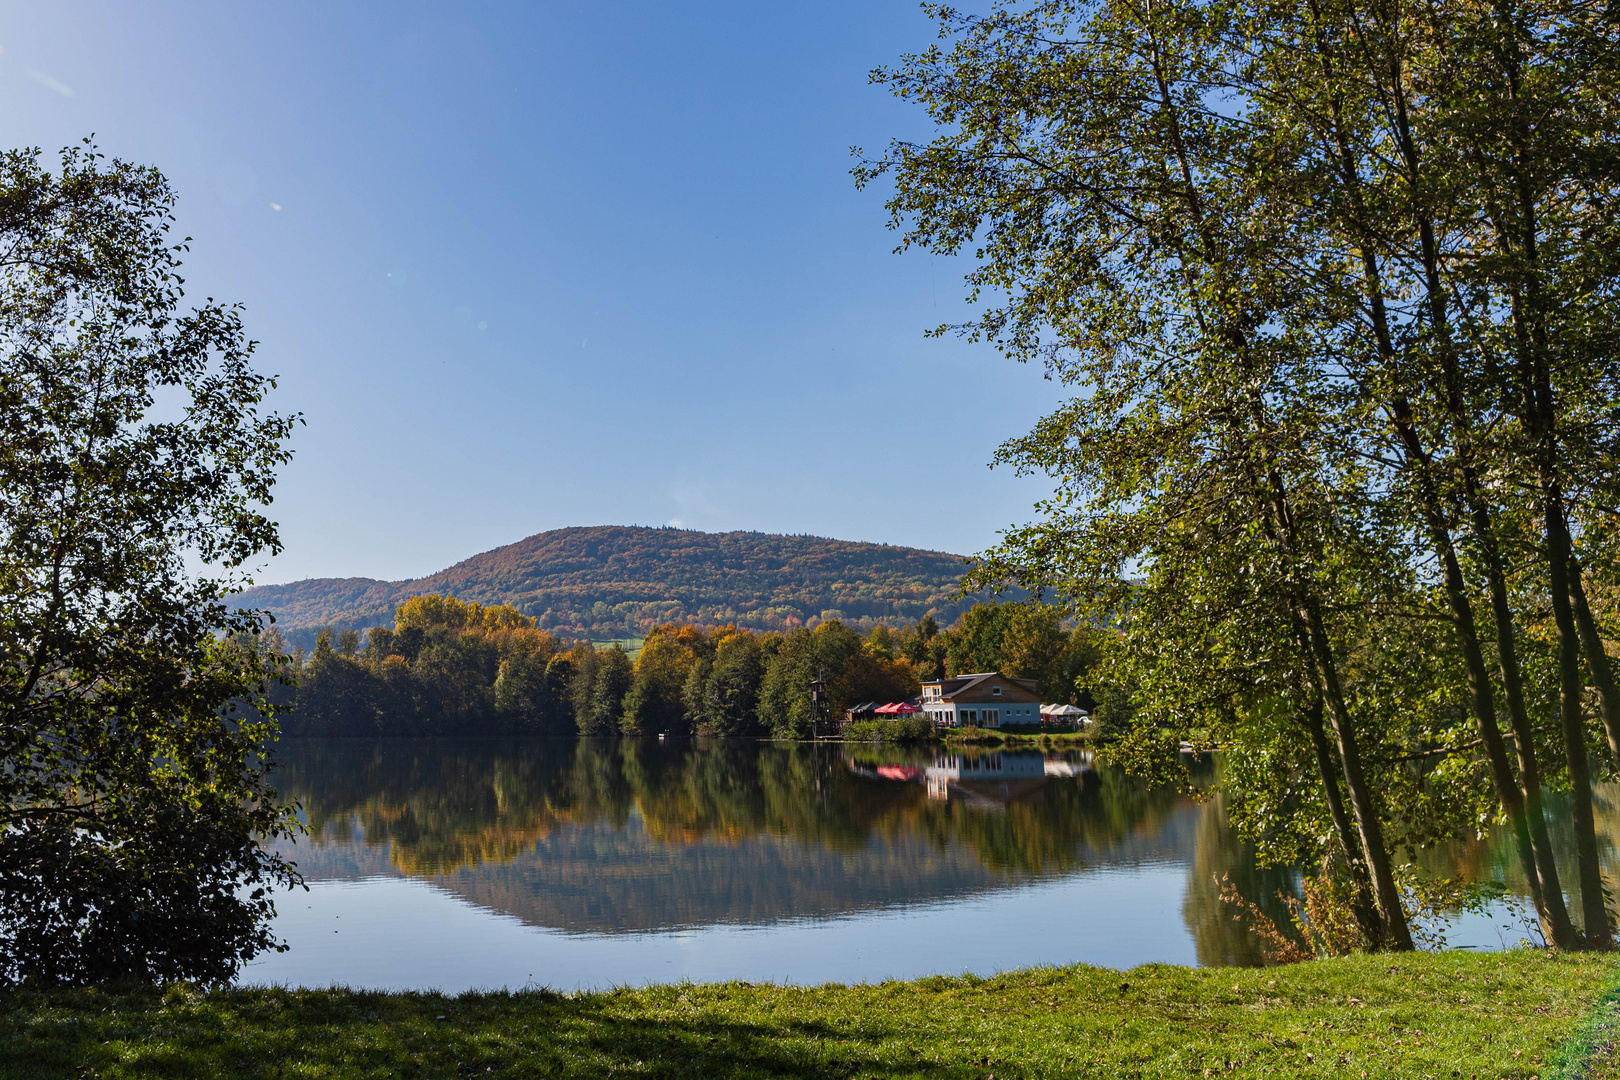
[49, 83]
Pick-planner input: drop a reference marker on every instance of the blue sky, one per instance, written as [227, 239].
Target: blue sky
[529, 265]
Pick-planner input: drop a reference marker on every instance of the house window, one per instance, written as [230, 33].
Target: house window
[995, 691]
[991, 718]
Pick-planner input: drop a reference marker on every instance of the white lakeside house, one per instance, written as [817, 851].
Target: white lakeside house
[986, 699]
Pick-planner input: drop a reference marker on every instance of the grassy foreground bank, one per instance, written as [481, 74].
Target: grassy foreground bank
[1436, 1015]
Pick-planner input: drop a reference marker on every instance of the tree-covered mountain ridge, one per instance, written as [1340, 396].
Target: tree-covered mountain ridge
[613, 581]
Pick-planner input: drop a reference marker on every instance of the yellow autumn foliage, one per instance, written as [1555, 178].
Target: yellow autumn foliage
[432, 612]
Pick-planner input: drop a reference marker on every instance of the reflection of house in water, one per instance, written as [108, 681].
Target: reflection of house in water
[996, 779]
[904, 773]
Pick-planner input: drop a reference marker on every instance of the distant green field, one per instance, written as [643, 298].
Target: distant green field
[631, 645]
[1520, 1014]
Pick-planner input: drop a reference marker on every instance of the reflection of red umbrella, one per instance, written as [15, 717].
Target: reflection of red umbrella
[898, 772]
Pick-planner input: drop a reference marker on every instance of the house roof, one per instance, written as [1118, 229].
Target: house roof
[952, 687]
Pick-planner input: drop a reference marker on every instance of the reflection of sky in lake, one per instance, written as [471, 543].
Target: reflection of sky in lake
[354, 933]
[486, 863]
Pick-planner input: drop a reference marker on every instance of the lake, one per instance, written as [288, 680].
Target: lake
[461, 864]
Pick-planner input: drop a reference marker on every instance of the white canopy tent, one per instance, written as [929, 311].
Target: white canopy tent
[1064, 712]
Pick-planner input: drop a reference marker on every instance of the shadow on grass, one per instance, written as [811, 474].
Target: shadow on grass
[285, 1033]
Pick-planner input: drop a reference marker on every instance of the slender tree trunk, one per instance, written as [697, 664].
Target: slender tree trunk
[1535, 857]
[1552, 893]
[1515, 220]
[1524, 808]
[1597, 658]
[1594, 912]
[1539, 421]
[1397, 934]
[1316, 653]
[1540, 871]
[1366, 909]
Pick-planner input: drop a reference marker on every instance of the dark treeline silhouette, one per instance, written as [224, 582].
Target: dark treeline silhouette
[449, 667]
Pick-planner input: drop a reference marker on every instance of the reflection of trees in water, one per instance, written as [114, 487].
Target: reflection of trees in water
[1064, 825]
[447, 804]
[641, 834]
[693, 791]
[1495, 859]
[439, 805]
[1221, 940]
[1219, 855]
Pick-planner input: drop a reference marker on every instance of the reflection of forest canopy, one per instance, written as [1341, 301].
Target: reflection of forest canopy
[1223, 934]
[443, 806]
[639, 834]
[612, 582]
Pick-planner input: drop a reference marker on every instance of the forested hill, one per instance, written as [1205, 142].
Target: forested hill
[608, 582]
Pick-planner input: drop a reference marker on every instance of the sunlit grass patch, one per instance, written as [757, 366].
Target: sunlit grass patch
[1430, 1015]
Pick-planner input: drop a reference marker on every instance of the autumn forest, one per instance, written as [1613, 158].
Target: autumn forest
[453, 667]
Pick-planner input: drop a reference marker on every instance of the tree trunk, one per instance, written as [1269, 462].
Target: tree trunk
[1593, 910]
[1527, 817]
[1597, 658]
[1530, 835]
[1552, 893]
[1535, 858]
[1397, 935]
[1518, 233]
[1366, 910]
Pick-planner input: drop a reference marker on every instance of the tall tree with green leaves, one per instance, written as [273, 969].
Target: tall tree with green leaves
[1166, 206]
[1396, 127]
[1336, 282]
[1084, 160]
[135, 735]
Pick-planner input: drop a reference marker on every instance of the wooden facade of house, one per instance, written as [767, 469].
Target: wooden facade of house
[986, 699]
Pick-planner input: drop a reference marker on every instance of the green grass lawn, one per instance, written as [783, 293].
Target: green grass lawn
[1429, 1015]
[1024, 738]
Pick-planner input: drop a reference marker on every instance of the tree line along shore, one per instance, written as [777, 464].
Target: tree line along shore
[452, 667]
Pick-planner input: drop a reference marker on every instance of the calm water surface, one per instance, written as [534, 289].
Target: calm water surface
[457, 864]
